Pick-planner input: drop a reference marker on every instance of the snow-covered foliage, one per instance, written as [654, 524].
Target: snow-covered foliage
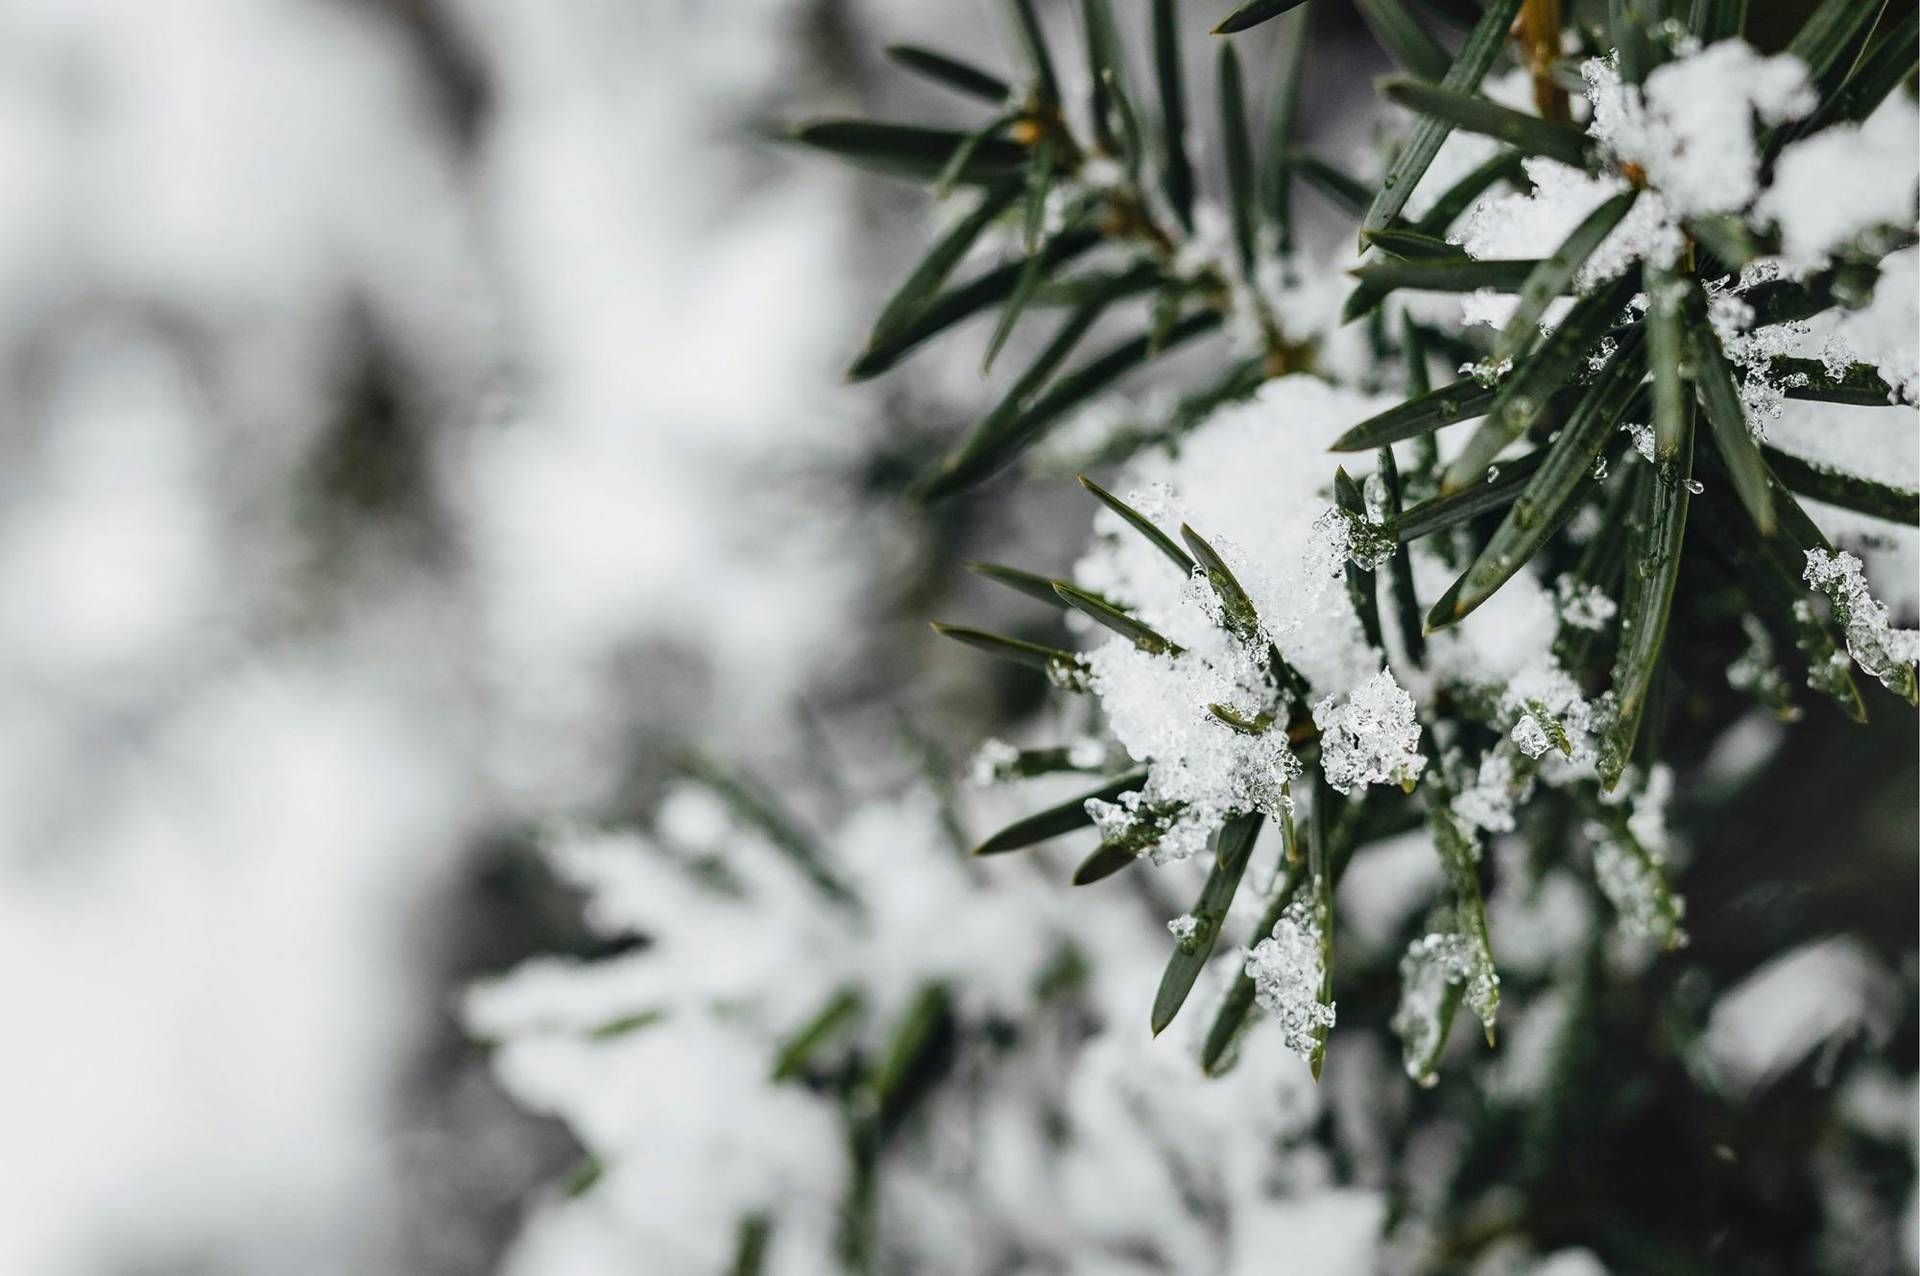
[1446, 723]
[1288, 971]
[941, 1013]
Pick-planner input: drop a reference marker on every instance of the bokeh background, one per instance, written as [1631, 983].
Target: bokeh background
[421, 420]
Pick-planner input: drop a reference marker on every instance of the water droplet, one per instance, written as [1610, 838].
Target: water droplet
[1375, 492]
[1600, 467]
[1696, 486]
[1493, 473]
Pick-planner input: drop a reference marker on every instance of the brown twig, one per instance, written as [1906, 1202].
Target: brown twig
[1537, 30]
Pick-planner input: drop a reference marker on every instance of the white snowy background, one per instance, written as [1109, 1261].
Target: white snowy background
[252, 731]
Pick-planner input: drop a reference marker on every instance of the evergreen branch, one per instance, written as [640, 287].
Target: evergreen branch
[1538, 31]
[1233, 850]
[1236, 609]
[1662, 524]
[1253, 13]
[1216, 1053]
[1891, 60]
[1553, 492]
[1859, 383]
[1039, 588]
[1666, 349]
[1034, 42]
[966, 300]
[1732, 436]
[1176, 176]
[1523, 397]
[1847, 491]
[782, 831]
[1360, 583]
[920, 287]
[911, 151]
[1554, 276]
[1142, 524]
[1460, 400]
[1504, 166]
[1462, 274]
[1776, 593]
[1475, 114]
[1107, 859]
[1289, 74]
[1406, 601]
[1103, 69]
[841, 1010]
[1404, 39]
[989, 451]
[1104, 613]
[1343, 190]
[1239, 156]
[1441, 513]
[951, 72]
[1063, 668]
[1713, 20]
[1460, 859]
[1469, 67]
[1055, 820]
[1413, 245]
[1030, 275]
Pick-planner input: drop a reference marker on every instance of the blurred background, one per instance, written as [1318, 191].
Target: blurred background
[423, 420]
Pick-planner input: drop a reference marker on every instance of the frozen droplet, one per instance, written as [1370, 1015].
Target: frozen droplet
[1696, 486]
[1375, 491]
[1493, 473]
[1599, 468]
[1531, 736]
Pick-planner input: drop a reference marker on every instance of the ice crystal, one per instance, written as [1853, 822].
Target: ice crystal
[1887, 653]
[1372, 738]
[1489, 371]
[1288, 973]
[1377, 496]
[1641, 433]
[1530, 736]
[1183, 928]
[1550, 696]
[1343, 538]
